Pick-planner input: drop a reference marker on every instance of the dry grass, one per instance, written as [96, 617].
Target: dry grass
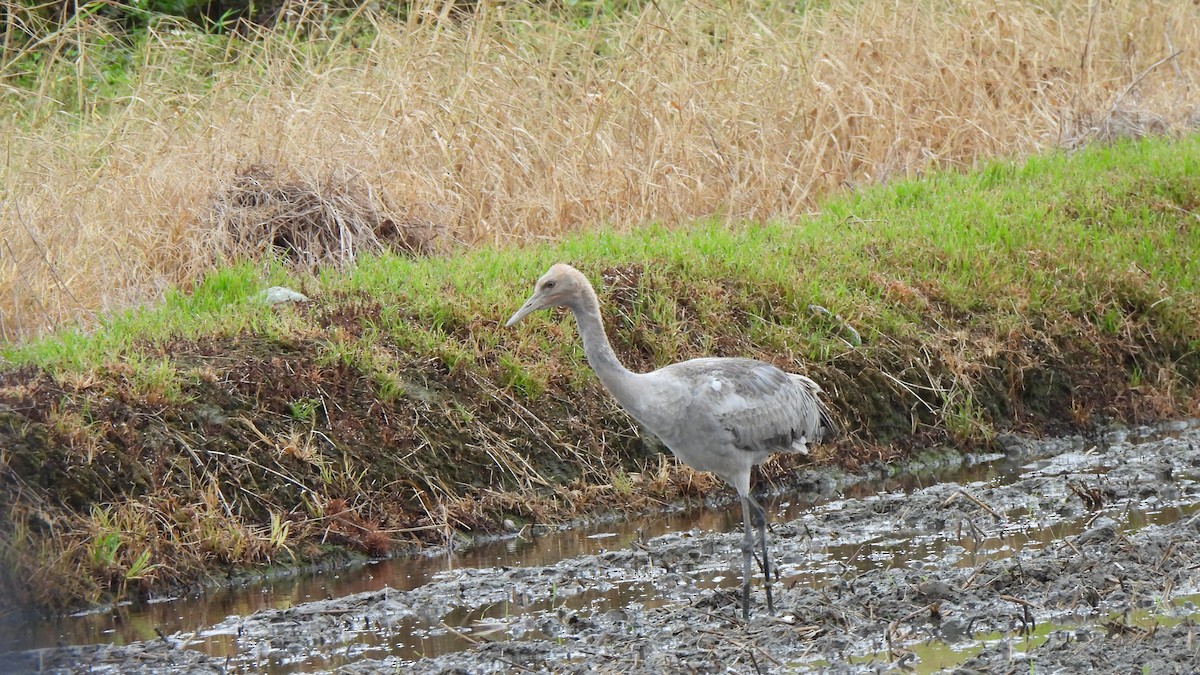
[310, 222]
[516, 124]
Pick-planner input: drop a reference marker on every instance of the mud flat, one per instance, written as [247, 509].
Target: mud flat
[1074, 553]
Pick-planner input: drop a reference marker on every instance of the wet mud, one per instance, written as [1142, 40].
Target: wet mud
[1072, 553]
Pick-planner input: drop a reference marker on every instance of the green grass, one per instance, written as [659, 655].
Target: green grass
[221, 304]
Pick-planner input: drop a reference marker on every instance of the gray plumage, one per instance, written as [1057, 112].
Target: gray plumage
[722, 415]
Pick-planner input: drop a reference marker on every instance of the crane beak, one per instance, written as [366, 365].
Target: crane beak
[531, 305]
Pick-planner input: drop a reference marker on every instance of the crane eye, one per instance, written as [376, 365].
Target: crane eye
[548, 285]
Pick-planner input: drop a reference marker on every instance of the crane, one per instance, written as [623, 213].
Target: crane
[722, 415]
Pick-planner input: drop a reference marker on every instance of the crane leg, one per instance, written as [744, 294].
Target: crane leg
[759, 519]
[747, 553]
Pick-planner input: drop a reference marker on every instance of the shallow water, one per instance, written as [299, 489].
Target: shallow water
[213, 623]
[132, 622]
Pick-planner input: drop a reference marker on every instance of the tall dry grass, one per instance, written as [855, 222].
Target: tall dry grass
[514, 125]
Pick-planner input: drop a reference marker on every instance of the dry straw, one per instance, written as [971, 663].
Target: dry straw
[261, 213]
[510, 124]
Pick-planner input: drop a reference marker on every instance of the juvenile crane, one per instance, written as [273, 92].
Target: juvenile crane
[722, 415]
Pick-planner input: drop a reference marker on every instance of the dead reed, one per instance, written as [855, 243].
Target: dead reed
[260, 214]
[513, 124]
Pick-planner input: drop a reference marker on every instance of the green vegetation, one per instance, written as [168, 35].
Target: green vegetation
[213, 431]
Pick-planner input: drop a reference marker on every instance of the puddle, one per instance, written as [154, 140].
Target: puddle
[972, 547]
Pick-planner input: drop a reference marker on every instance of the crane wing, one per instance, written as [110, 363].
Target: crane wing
[763, 408]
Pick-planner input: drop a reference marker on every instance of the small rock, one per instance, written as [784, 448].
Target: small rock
[936, 590]
[1013, 445]
[277, 294]
[1104, 530]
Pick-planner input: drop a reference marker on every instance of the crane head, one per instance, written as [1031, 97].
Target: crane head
[559, 287]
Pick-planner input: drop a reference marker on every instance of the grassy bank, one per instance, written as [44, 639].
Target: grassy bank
[520, 122]
[213, 432]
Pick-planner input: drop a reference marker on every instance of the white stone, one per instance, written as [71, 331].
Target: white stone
[277, 294]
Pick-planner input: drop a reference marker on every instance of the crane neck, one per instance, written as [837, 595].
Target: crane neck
[619, 380]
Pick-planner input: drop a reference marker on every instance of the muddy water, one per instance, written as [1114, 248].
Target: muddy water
[202, 614]
[941, 566]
